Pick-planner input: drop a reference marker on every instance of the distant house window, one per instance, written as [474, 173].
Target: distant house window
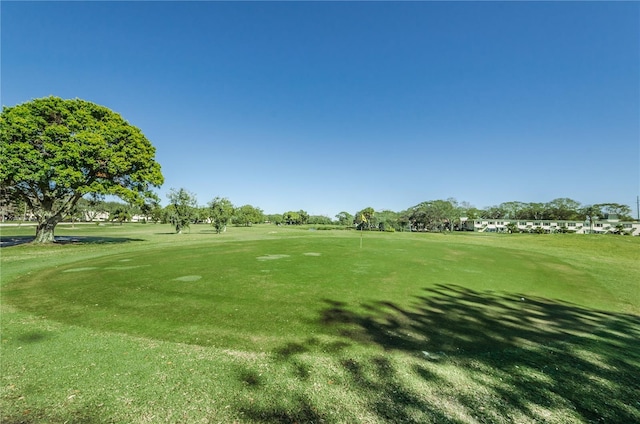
[491, 222]
[571, 224]
[598, 225]
[627, 225]
[536, 223]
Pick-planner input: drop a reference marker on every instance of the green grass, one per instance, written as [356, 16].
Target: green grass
[273, 324]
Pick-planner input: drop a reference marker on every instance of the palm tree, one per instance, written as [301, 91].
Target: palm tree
[591, 213]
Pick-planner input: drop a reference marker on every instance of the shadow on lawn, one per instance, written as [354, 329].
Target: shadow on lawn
[533, 357]
[8, 241]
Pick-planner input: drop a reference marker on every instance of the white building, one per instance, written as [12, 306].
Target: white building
[612, 225]
[92, 216]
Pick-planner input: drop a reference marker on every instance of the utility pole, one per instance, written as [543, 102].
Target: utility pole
[638, 207]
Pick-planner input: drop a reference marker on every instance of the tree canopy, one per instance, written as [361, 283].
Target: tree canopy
[220, 213]
[557, 209]
[182, 209]
[295, 218]
[365, 218]
[55, 151]
[434, 215]
[344, 218]
[247, 215]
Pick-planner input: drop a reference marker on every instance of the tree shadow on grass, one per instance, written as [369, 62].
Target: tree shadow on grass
[95, 240]
[532, 354]
[301, 411]
[9, 241]
[80, 414]
[521, 360]
[34, 337]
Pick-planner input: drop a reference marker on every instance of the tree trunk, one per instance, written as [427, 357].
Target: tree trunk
[45, 229]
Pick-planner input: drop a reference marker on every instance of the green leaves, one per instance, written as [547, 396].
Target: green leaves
[75, 143]
[183, 208]
[220, 212]
[58, 150]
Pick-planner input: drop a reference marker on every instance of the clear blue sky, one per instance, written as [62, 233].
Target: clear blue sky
[332, 106]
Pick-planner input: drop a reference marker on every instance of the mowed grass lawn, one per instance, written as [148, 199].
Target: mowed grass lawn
[134, 324]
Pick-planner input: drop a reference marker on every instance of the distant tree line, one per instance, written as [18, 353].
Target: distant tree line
[433, 215]
[445, 215]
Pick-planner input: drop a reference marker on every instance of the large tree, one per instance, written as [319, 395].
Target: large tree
[623, 212]
[55, 151]
[513, 210]
[434, 215]
[562, 209]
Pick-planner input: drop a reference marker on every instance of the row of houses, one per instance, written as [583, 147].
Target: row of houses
[611, 225]
[86, 217]
[91, 216]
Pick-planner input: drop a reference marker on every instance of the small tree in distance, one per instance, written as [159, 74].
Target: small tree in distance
[365, 218]
[345, 218]
[247, 215]
[151, 209]
[182, 208]
[220, 213]
[120, 215]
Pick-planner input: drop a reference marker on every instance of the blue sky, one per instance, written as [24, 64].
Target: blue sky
[334, 106]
